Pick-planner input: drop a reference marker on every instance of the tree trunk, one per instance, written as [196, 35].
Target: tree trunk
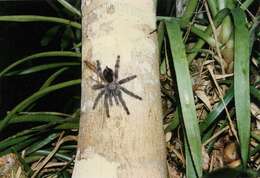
[122, 145]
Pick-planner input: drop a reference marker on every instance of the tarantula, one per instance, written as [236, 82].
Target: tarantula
[111, 87]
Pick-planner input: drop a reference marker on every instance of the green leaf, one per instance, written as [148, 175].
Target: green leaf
[43, 67]
[190, 171]
[8, 142]
[185, 93]
[189, 12]
[69, 7]
[217, 21]
[57, 155]
[204, 36]
[214, 114]
[38, 18]
[41, 143]
[19, 146]
[241, 81]
[246, 4]
[213, 7]
[68, 125]
[53, 77]
[26, 118]
[25, 103]
[40, 55]
[28, 134]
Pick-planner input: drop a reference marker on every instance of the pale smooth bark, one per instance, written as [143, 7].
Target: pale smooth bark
[122, 146]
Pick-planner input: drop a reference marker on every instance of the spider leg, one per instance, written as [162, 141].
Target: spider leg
[127, 79]
[99, 70]
[115, 97]
[97, 86]
[116, 68]
[110, 99]
[129, 93]
[101, 93]
[122, 101]
[106, 104]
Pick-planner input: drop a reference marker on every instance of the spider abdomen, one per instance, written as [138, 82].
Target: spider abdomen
[108, 74]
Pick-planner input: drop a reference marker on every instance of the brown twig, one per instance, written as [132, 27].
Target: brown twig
[232, 128]
[215, 37]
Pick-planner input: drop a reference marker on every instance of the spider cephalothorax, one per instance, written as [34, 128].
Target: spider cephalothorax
[111, 87]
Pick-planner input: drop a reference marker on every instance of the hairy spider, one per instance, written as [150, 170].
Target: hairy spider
[111, 87]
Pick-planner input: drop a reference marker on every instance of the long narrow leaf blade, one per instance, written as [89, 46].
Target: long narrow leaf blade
[25, 103]
[27, 118]
[41, 143]
[241, 81]
[40, 55]
[43, 67]
[38, 18]
[213, 115]
[185, 93]
[190, 172]
[69, 7]
[217, 21]
[53, 77]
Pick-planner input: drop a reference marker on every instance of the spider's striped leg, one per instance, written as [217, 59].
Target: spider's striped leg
[110, 99]
[101, 93]
[116, 68]
[127, 79]
[106, 104]
[99, 70]
[97, 86]
[115, 97]
[122, 101]
[130, 93]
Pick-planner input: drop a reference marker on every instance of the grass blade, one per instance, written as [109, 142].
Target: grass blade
[25, 103]
[213, 115]
[241, 81]
[217, 21]
[38, 18]
[185, 93]
[40, 55]
[69, 7]
[41, 143]
[26, 118]
[189, 12]
[19, 146]
[43, 67]
[57, 155]
[190, 171]
[53, 77]
[13, 141]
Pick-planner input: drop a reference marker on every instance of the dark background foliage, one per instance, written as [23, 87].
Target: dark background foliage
[18, 40]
